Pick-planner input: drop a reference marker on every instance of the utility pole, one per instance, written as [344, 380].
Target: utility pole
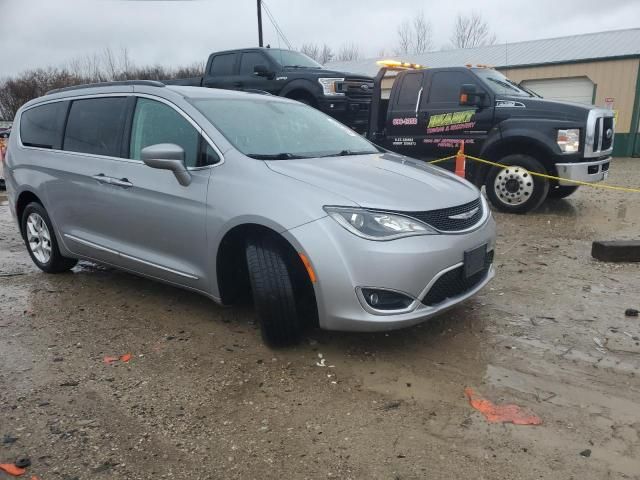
[260, 23]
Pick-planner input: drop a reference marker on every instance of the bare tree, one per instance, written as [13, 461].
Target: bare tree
[311, 50]
[415, 36]
[471, 31]
[326, 54]
[349, 52]
[405, 37]
[99, 67]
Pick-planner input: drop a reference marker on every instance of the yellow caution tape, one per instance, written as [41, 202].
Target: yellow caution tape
[542, 175]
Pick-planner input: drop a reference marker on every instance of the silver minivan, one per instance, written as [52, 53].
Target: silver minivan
[238, 195]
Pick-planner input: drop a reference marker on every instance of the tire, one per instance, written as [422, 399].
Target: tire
[562, 191]
[40, 239]
[271, 277]
[514, 190]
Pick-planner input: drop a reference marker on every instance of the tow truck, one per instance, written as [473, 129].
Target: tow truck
[430, 112]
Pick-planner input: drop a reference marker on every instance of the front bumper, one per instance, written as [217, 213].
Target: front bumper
[591, 172]
[353, 113]
[343, 263]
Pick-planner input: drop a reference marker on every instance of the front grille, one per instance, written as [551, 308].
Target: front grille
[441, 219]
[358, 88]
[454, 283]
[607, 124]
[598, 135]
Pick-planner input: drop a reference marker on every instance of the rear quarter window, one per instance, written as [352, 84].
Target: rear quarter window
[408, 94]
[42, 126]
[223, 64]
[96, 125]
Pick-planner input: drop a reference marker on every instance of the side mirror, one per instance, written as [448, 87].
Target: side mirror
[469, 95]
[261, 71]
[167, 156]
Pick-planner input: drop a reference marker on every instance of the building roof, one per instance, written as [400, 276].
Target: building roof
[588, 46]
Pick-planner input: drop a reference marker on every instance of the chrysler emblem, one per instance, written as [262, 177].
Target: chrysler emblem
[465, 215]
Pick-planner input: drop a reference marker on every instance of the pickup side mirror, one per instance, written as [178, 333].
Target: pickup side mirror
[470, 95]
[262, 71]
[167, 156]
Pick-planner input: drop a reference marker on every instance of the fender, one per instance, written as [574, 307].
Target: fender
[301, 84]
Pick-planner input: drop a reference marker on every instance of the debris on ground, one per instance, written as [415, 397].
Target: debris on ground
[109, 360]
[8, 439]
[12, 469]
[631, 312]
[586, 453]
[508, 413]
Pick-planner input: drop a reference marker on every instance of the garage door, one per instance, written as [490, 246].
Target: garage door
[576, 89]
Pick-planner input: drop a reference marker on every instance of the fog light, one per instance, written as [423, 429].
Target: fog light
[386, 299]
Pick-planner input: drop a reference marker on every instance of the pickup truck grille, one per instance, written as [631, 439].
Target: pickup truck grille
[358, 88]
[603, 125]
[600, 133]
[454, 219]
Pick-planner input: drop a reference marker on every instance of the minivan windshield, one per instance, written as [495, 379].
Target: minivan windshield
[288, 58]
[276, 130]
[500, 84]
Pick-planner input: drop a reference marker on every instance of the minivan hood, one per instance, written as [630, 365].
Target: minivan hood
[381, 181]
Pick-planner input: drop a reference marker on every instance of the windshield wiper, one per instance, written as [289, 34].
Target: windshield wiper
[274, 156]
[295, 66]
[345, 153]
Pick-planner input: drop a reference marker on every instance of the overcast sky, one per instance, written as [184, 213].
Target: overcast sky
[37, 33]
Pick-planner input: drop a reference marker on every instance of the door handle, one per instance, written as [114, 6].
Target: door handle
[237, 84]
[122, 182]
[101, 178]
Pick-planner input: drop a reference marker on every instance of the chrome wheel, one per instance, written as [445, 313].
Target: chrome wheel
[39, 238]
[513, 185]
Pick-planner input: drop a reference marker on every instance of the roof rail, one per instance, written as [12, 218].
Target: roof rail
[148, 83]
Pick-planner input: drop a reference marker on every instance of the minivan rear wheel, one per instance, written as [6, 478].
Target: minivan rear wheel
[271, 277]
[512, 188]
[40, 239]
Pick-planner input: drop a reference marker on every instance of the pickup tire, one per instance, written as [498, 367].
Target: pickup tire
[562, 191]
[513, 189]
[271, 277]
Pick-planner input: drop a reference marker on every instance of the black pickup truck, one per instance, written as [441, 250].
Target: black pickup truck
[431, 111]
[287, 73]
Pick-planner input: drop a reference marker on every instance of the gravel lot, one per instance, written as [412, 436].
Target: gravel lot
[203, 398]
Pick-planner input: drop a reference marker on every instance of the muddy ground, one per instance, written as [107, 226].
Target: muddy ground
[203, 398]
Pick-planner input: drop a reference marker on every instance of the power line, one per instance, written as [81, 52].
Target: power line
[275, 24]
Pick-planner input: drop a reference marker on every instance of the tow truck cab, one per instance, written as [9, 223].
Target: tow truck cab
[430, 112]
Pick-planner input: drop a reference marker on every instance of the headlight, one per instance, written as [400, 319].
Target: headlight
[330, 86]
[374, 225]
[569, 140]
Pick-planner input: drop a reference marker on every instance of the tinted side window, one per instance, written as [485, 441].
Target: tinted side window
[223, 64]
[250, 60]
[42, 126]
[155, 122]
[445, 87]
[409, 89]
[95, 126]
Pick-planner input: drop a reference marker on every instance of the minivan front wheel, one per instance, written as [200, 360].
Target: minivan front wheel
[41, 242]
[271, 276]
[512, 188]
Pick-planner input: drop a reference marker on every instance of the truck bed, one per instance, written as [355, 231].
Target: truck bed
[185, 82]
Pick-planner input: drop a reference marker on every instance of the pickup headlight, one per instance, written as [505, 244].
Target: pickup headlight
[330, 86]
[374, 225]
[569, 140]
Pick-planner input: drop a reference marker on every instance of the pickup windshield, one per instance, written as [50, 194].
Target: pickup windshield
[275, 130]
[287, 58]
[500, 84]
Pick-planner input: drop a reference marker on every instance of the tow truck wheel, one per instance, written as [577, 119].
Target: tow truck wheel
[562, 191]
[512, 188]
